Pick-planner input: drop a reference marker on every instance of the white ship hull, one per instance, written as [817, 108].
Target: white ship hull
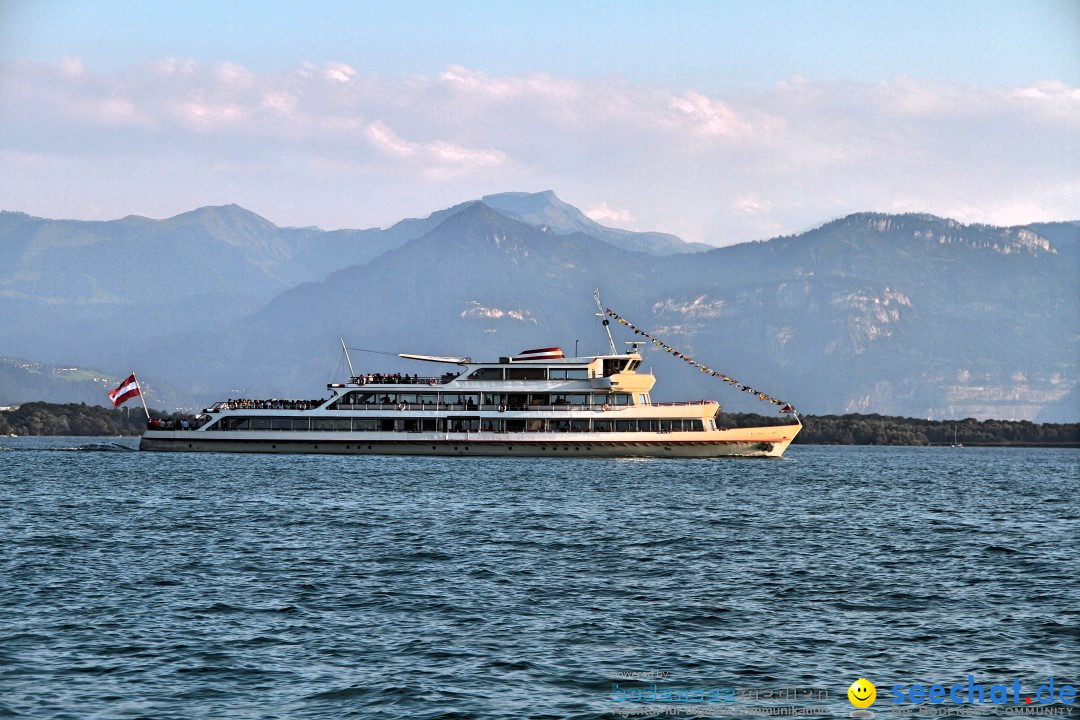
[744, 442]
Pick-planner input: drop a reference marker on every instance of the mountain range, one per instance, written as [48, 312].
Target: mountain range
[897, 314]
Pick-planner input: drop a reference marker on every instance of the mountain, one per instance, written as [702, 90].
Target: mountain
[548, 212]
[897, 314]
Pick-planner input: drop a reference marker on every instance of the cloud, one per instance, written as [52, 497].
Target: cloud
[718, 167]
[604, 213]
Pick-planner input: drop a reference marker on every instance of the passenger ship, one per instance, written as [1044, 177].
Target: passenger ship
[538, 403]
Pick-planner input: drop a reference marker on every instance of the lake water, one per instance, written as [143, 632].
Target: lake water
[243, 586]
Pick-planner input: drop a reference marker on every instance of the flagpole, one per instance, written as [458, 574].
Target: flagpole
[141, 396]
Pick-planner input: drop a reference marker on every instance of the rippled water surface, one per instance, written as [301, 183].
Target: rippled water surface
[202, 585]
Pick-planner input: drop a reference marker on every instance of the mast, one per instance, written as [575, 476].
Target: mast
[607, 324]
[347, 358]
[145, 409]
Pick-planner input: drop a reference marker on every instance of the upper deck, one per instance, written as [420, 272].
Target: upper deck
[550, 371]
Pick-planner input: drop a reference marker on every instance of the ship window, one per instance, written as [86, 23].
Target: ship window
[451, 398]
[665, 426]
[486, 374]
[330, 423]
[539, 399]
[285, 424]
[236, 423]
[494, 399]
[429, 424]
[386, 425]
[579, 426]
[464, 424]
[365, 424]
[603, 425]
[409, 398]
[579, 399]
[470, 400]
[625, 425]
[429, 398]
[517, 401]
[632, 365]
[678, 425]
[611, 367]
[407, 425]
[260, 424]
[648, 425]
[695, 425]
[568, 373]
[515, 426]
[534, 425]
[527, 373]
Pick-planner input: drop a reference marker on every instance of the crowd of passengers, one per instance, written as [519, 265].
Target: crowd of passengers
[176, 423]
[396, 379]
[242, 404]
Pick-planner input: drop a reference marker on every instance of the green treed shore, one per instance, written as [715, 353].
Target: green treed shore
[52, 419]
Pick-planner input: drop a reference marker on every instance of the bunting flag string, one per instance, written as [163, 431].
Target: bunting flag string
[784, 406]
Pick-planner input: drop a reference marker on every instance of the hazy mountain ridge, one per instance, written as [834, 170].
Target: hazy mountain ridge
[902, 314]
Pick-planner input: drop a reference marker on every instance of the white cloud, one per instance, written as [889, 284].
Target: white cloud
[717, 167]
[339, 72]
[604, 213]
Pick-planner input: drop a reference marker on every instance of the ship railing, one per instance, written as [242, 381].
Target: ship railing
[265, 405]
[684, 403]
[403, 380]
[461, 407]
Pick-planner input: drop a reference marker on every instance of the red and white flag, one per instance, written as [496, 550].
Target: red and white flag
[127, 390]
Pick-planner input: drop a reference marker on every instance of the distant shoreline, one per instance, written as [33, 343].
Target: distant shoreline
[37, 419]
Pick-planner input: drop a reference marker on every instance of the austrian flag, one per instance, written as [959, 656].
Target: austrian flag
[127, 390]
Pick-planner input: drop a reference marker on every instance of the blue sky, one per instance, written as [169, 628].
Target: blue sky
[720, 121]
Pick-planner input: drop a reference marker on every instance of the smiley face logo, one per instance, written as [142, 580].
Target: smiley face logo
[862, 693]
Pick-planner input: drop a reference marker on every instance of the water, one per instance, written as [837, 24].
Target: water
[178, 586]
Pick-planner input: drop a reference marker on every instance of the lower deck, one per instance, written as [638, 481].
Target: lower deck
[742, 442]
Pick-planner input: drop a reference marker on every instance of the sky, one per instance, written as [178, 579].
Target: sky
[721, 122]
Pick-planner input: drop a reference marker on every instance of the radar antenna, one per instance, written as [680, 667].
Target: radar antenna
[607, 323]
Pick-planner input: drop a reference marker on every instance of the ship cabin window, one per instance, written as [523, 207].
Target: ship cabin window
[495, 373]
[612, 399]
[581, 373]
[632, 365]
[526, 373]
[429, 399]
[365, 424]
[464, 424]
[408, 398]
[336, 424]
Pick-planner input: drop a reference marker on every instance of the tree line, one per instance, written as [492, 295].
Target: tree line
[39, 418]
[856, 429]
